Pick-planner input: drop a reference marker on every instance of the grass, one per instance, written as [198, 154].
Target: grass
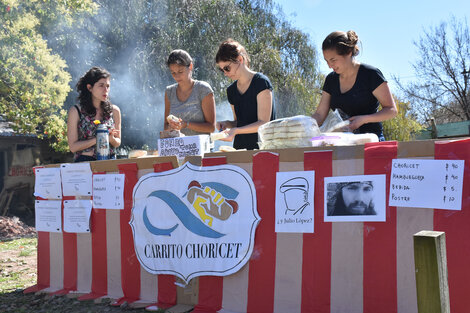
[19, 244]
[16, 257]
[18, 271]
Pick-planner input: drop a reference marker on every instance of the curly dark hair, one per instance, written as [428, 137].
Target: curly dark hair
[84, 95]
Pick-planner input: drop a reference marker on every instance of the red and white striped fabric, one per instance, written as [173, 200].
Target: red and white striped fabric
[342, 267]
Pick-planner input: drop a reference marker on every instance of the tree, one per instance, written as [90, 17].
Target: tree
[404, 125]
[132, 39]
[33, 81]
[443, 73]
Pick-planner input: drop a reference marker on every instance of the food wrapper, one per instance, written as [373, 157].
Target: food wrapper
[173, 118]
[334, 122]
[218, 136]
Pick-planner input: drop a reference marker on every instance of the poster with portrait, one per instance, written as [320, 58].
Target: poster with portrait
[359, 198]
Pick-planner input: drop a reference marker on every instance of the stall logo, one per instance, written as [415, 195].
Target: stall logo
[194, 221]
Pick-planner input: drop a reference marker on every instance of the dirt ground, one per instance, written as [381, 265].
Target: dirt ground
[18, 260]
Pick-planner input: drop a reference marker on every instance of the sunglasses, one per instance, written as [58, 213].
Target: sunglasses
[226, 68]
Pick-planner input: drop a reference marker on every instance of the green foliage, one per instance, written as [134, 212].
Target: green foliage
[404, 125]
[33, 80]
[132, 39]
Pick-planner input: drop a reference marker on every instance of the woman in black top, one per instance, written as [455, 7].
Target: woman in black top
[356, 89]
[250, 96]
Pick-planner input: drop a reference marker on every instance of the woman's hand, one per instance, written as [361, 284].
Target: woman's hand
[114, 133]
[223, 125]
[357, 121]
[231, 133]
[177, 125]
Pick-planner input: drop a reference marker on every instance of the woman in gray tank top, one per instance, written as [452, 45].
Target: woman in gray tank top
[191, 101]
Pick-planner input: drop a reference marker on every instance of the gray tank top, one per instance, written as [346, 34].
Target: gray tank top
[191, 109]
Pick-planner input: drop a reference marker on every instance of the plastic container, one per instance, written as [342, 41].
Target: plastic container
[102, 142]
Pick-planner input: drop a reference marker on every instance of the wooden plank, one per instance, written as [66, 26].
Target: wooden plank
[431, 272]
[453, 129]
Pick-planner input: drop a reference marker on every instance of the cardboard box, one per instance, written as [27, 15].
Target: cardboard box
[184, 146]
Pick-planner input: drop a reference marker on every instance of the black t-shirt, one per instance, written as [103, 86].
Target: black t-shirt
[246, 109]
[359, 100]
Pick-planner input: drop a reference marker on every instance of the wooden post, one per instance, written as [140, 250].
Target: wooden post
[433, 128]
[431, 272]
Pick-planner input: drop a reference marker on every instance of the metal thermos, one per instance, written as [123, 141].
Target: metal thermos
[102, 142]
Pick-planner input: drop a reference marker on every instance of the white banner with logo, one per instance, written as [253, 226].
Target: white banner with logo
[193, 221]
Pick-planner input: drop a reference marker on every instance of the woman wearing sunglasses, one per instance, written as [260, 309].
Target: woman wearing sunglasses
[192, 101]
[250, 96]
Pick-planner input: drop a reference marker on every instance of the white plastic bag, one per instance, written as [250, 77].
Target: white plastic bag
[289, 132]
[334, 123]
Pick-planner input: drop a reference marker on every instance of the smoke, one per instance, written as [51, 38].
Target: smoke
[137, 80]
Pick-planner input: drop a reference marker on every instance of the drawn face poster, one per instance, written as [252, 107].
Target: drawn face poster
[294, 202]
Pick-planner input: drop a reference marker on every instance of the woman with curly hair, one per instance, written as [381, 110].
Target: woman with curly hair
[93, 104]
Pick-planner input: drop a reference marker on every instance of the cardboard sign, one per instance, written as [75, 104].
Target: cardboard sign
[435, 184]
[194, 221]
[184, 146]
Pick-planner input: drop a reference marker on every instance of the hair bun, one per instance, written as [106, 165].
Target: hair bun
[352, 37]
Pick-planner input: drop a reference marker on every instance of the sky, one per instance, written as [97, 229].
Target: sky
[386, 29]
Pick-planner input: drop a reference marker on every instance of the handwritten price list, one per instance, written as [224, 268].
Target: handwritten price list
[435, 184]
[108, 191]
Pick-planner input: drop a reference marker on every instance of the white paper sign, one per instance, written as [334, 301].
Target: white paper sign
[359, 198]
[108, 191]
[47, 183]
[48, 215]
[193, 221]
[184, 146]
[77, 216]
[294, 202]
[435, 184]
[76, 179]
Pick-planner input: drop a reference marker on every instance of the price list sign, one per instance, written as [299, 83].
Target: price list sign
[108, 191]
[435, 184]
